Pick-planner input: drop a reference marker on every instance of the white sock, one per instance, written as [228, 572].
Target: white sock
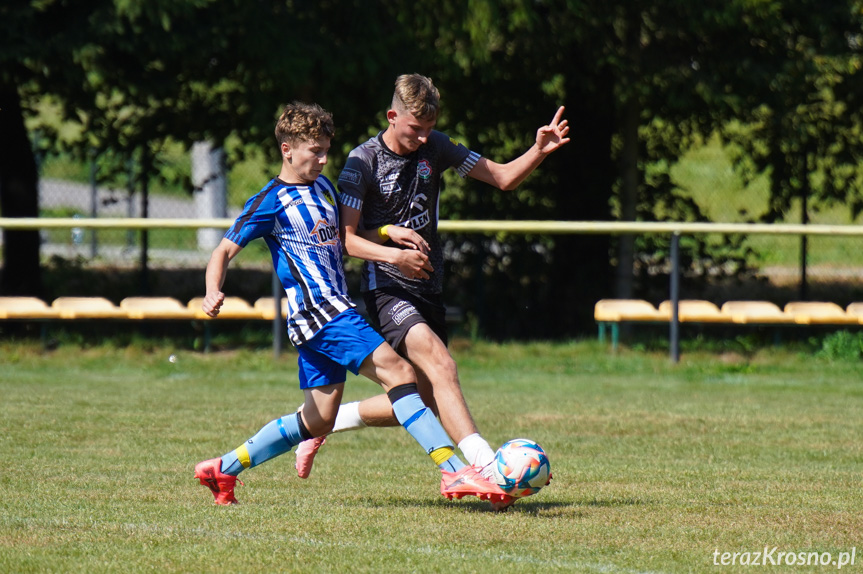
[476, 450]
[348, 418]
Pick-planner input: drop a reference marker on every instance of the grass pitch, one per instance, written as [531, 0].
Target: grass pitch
[657, 467]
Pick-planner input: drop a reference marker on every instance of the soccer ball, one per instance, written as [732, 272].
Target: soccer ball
[521, 467]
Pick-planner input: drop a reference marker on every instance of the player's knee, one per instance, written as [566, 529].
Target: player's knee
[317, 423]
[450, 370]
[403, 373]
[325, 428]
[392, 371]
[320, 428]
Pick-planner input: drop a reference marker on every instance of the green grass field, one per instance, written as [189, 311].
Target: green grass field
[656, 466]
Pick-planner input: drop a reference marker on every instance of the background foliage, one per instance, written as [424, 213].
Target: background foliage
[644, 83]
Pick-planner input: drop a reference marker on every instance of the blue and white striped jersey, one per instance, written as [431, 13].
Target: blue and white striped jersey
[300, 225]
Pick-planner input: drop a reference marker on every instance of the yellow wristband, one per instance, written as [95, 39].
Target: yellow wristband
[382, 232]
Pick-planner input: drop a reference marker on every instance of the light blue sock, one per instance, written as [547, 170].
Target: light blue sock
[277, 437]
[421, 423]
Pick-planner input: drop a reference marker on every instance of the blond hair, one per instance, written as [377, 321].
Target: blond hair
[304, 122]
[418, 95]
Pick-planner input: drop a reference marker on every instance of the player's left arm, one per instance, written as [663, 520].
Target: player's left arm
[509, 175]
[367, 244]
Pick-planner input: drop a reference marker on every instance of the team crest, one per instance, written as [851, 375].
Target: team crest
[324, 233]
[424, 170]
[328, 196]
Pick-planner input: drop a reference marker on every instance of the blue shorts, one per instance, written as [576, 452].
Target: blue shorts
[341, 345]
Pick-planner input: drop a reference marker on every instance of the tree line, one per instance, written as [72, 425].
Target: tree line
[778, 80]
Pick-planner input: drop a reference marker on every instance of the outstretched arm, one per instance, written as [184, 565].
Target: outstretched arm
[214, 277]
[367, 244]
[509, 175]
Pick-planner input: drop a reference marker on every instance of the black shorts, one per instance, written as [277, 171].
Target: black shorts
[394, 311]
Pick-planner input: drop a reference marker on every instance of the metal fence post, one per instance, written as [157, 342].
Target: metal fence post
[146, 161]
[94, 205]
[675, 297]
[278, 326]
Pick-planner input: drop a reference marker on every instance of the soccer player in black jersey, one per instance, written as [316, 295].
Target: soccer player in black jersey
[388, 193]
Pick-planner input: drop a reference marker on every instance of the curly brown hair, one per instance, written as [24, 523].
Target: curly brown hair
[304, 122]
[418, 95]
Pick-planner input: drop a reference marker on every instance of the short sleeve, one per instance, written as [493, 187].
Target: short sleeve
[455, 154]
[257, 220]
[353, 182]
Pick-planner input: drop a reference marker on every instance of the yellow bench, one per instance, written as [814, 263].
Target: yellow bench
[610, 313]
[26, 308]
[133, 308]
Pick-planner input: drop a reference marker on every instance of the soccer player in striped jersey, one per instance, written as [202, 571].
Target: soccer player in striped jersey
[296, 213]
[389, 191]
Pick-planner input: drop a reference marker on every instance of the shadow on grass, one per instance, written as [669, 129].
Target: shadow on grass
[554, 509]
[524, 505]
[615, 502]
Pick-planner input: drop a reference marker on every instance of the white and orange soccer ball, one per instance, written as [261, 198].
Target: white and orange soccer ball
[521, 467]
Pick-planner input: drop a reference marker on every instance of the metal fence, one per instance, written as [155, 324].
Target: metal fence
[800, 263]
[167, 247]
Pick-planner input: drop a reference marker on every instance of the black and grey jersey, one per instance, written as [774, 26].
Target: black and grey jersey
[388, 188]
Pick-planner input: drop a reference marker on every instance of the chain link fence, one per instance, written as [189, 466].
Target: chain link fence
[197, 187]
[118, 263]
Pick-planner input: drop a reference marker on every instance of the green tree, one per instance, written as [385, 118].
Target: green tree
[503, 68]
[642, 82]
[804, 125]
[133, 75]
[29, 62]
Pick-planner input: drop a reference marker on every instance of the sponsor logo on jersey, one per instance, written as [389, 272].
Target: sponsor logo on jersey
[390, 183]
[350, 176]
[294, 203]
[325, 233]
[418, 221]
[424, 169]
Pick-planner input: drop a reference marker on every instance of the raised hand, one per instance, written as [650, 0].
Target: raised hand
[552, 136]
